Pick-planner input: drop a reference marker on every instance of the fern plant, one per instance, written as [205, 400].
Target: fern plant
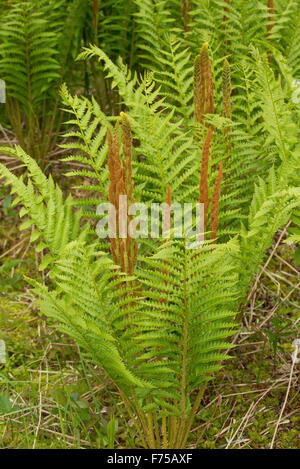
[158, 340]
[159, 322]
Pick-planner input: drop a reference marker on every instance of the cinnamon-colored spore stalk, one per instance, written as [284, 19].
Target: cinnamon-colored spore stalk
[204, 183]
[123, 247]
[203, 85]
[214, 216]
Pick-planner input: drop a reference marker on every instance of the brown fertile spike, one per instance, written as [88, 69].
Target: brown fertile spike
[203, 85]
[166, 228]
[197, 93]
[226, 11]
[271, 11]
[114, 170]
[124, 250]
[203, 198]
[95, 14]
[127, 152]
[131, 246]
[214, 216]
[113, 151]
[111, 167]
[197, 89]
[169, 195]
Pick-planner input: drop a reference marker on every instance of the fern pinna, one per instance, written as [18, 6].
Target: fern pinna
[156, 315]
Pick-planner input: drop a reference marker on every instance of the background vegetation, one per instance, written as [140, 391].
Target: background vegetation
[146, 57]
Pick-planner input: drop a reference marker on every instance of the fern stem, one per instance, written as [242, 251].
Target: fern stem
[204, 197]
[183, 391]
[151, 429]
[148, 431]
[189, 422]
[226, 9]
[164, 432]
[95, 16]
[148, 436]
[185, 13]
[173, 423]
[214, 222]
[271, 13]
[157, 433]
[131, 406]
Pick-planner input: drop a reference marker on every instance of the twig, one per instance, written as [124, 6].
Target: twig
[294, 361]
